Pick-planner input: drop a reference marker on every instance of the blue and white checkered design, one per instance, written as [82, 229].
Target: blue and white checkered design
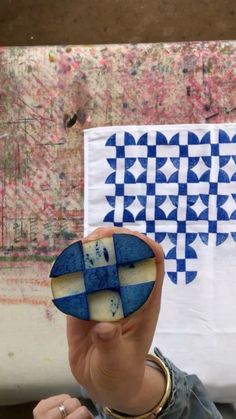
[177, 186]
[109, 264]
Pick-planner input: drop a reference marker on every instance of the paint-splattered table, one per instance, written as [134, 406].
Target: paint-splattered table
[48, 95]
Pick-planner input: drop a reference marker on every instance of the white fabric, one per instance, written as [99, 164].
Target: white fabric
[177, 184]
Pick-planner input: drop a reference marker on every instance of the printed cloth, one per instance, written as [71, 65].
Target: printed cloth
[177, 184]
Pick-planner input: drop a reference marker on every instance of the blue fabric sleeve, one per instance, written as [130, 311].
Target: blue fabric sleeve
[188, 398]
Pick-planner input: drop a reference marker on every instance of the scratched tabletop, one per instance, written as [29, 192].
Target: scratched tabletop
[48, 95]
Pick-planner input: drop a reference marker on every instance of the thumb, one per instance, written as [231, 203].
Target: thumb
[110, 347]
[115, 359]
[107, 336]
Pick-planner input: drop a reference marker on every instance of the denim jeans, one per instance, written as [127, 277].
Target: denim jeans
[188, 397]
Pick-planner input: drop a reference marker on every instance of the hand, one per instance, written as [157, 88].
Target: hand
[108, 359]
[49, 408]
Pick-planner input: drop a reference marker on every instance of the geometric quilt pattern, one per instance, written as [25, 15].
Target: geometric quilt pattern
[180, 187]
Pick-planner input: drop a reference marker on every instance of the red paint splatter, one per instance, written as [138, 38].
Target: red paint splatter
[33, 301]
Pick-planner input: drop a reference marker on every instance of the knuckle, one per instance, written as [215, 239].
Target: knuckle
[84, 412]
[38, 407]
[65, 396]
[74, 403]
[34, 412]
[42, 408]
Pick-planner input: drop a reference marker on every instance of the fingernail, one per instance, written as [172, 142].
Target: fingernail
[107, 336]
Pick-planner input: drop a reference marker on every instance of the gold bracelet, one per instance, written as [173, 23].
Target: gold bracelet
[159, 407]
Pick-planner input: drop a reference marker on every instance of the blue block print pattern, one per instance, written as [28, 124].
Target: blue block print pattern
[102, 278]
[180, 188]
[71, 260]
[98, 263]
[130, 248]
[74, 305]
[132, 294]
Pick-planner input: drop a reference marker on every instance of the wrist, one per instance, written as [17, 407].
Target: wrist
[151, 397]
[151, 392]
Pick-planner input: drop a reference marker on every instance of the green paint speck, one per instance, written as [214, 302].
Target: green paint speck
[11, 354]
